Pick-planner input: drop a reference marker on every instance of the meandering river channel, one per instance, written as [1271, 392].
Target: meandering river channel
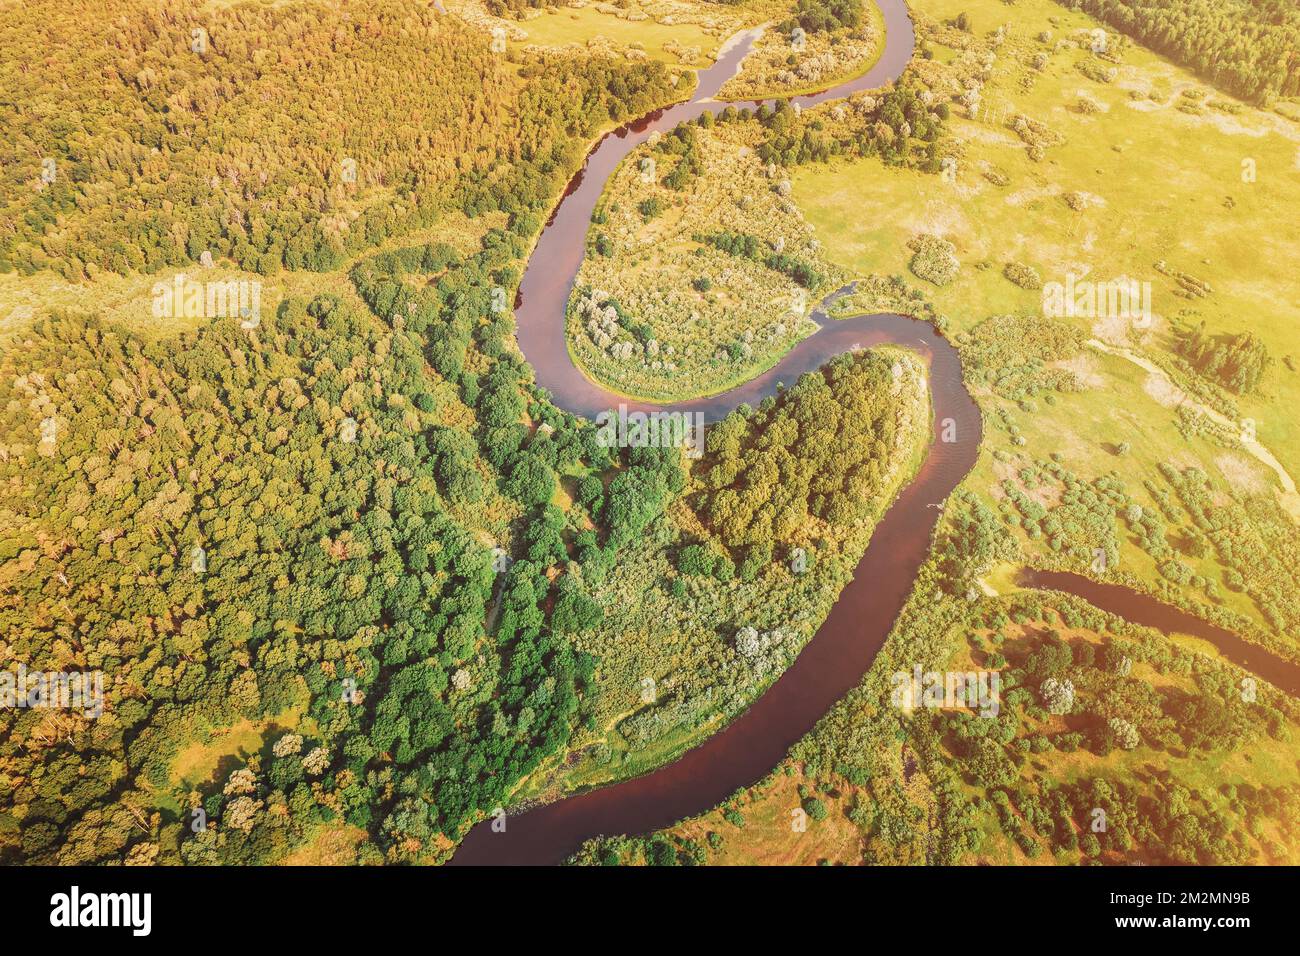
[839, 654]
[843, 648]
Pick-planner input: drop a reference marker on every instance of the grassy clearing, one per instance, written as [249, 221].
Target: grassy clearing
[334, 845]
[690, 318]
[684, 44]
[773, 68]
[1085, 429]
[128, 300]
[1199, 218]
[1158, 183]
[199, 762]
[774, 834]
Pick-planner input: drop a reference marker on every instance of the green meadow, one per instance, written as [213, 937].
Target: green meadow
[561, 26]
[1160, 175]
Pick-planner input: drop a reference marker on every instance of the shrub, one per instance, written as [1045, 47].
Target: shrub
[1026, 277]
[815, 808]
[934, 259]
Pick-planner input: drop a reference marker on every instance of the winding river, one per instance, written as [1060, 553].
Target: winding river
[842, 650]
[838, 655]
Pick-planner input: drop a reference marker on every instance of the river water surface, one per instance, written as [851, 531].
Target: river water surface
[1149, 611]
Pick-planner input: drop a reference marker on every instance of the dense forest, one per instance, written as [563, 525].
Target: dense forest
[1237, 362]
[1247, 47]
[296, 520]
[338, 521]
[905, 125]
[818, 16]
[516, 8]
[260, 133]
[824, 450]
[211, 510]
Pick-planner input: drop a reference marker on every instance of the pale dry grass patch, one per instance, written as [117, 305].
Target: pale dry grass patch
[1162, 391]
[1084, 368]
[1243, 475]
